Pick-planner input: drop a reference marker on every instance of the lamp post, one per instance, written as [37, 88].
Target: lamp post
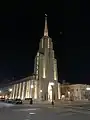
[88, 92]
[88, 89]
[0, 91]
[10, 93]
[41, 94]
[69, 95]
[10, 89]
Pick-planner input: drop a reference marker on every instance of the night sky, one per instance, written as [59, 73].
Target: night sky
[22, 26]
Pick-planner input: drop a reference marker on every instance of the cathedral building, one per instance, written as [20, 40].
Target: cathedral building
[43, 85]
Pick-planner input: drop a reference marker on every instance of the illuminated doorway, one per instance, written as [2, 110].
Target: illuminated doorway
[50, 89]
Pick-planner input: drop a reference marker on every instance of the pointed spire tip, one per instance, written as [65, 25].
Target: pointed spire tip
[46, 28]
[46, 15]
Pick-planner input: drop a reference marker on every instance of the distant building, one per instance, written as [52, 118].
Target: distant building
[43, 85]
[75, 92]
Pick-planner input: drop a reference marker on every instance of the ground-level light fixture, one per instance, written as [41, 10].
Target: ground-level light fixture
[63, 96]
[32, 86]
[87, 88]
[40, 90]
[68, 92]
[52, 83]
[10, 89]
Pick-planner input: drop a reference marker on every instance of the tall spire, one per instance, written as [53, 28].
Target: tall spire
[46, 28]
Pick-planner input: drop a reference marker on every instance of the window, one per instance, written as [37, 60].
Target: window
[48, 43]
[55, 70]
[44, 76]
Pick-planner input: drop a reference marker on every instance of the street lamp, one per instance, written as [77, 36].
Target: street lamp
[10, 89]
[87, 88]
[32, 86]
[40, 91]
[88, 92]
[10, 93]
[41, 97]
[69, 95]
[0, 91]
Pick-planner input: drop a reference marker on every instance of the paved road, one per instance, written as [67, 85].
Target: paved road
[45, 112]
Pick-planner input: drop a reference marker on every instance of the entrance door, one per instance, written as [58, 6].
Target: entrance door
[49, 92]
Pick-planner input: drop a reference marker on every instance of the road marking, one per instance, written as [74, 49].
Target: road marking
[31, 109]
[32, 113]
[30, 116]
[51, 107]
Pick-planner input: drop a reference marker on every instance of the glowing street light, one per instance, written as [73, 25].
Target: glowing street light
[51, 83]
[10, 89]
[40, 90]
[87, 88]
[68, 92]
[32, 86]
[0, 91]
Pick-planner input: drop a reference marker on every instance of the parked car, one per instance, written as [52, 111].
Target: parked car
[9, 100]
[2, 99]
[17, 101]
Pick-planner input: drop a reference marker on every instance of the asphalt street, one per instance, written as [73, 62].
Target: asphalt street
[45, 112]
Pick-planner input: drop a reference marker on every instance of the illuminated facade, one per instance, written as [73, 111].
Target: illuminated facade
[44, 84]
[75, 92]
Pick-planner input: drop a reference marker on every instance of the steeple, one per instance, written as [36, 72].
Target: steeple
[46, 28]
